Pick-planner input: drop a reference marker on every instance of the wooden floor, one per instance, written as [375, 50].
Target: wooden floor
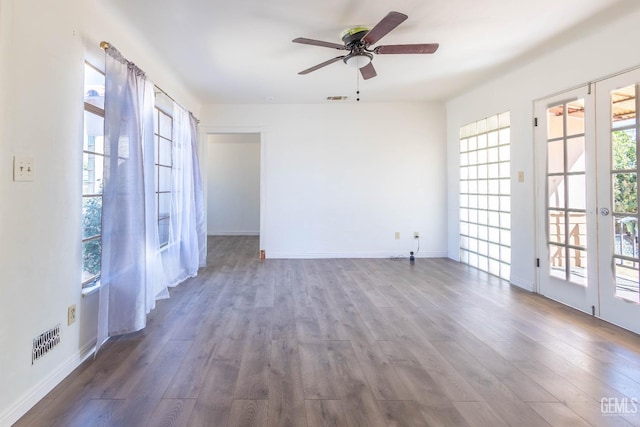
[366, 342]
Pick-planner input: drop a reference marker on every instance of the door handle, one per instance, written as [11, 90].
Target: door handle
[604, 211]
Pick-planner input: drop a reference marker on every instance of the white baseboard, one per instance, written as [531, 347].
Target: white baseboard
[234, 233]
[27, 401]
[330, 255]
[521, 283]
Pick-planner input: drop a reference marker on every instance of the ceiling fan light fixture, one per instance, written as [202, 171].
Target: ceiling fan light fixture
[358, 60]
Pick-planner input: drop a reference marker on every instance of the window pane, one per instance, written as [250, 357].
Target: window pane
[163, 231]
[91, 259]
[92, 172]
[93, 86]
[164, 205]
[91, 216]
[164, 178]
[164, 129]
[93, 133]
[164, 152]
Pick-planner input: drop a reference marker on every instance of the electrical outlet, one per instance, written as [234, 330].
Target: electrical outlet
[71, 314]
[23, 168]
[416, 235]
[397, 235]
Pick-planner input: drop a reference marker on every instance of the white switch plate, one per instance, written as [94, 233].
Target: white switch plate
[23, 168]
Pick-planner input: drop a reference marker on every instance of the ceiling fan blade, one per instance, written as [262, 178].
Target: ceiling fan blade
[406, 48]
[324, 64]
[382, 28]
[303, 40]
[368, 71]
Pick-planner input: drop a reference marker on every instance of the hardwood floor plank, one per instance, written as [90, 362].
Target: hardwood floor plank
[557, 414]
[248, 413]
[402, 413]
[325, 413]
[317, 377]
[171, 413]
[479, 414]
[214, 402]
[286, 392]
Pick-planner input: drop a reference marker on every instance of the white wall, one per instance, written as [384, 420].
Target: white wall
[340, 179]
[587, 54]
[233, 184]
[43, 46]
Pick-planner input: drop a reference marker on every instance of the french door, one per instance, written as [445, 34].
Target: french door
[566, 197]
[617, 121]
[587, 198]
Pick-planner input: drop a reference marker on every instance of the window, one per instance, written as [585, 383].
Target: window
[163, 129]
[92, 166]
[485, 201]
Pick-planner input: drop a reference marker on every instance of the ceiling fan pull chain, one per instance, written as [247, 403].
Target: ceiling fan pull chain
[358, 85]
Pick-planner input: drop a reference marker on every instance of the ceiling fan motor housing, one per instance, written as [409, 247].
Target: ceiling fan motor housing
[354, 35]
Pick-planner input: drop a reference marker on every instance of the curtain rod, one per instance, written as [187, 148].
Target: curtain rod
[115, 53]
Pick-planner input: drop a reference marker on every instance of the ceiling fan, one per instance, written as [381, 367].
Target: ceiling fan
[358, 41]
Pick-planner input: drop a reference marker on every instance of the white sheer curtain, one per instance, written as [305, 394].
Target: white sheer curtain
[132, 276]
[186, 250]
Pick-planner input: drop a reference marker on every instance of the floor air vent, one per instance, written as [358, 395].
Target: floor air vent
[45, 342]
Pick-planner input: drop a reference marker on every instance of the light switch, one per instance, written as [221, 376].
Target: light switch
[23, 168]
[520, 176]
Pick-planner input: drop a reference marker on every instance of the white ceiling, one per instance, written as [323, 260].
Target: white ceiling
[241, 51]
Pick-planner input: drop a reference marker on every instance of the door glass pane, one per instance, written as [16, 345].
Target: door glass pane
[576, 187]
[555, 122]
[624, 164]
[577, 229]
[626, 236]
[575, 154]
[555, 157]
[556, 226]
[625, 192]
[575, 117]
[623, 107]
[623, 147]
[556, 191]
[578, 266]
[557, 262]
[627, 280]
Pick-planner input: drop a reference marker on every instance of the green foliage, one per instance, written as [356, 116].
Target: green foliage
[92, 226]
[625, 186]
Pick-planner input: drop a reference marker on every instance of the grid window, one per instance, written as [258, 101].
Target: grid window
[92, 175]
[163, 129]
[485, 195]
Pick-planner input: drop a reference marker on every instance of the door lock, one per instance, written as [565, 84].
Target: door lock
[604, 211]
